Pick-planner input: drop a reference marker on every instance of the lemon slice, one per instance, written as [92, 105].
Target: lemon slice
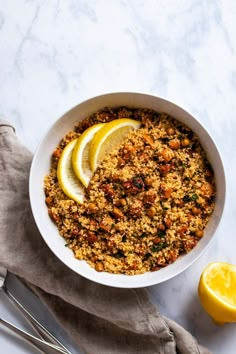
[69, 183]
[80, 154]
[217, 291]
[108, 137]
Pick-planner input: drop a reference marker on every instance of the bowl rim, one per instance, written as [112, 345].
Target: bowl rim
[96, 278]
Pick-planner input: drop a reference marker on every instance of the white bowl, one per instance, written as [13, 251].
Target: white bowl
[41, 165]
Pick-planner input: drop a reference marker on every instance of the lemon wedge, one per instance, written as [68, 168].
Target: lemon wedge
[108, 137]
[217, 291]
[69, 183]
[80, 154]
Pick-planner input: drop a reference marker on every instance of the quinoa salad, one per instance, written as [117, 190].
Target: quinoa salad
[148, 202]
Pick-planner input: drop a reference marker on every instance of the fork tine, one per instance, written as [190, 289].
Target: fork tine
[41, 331]
[3, 274]
[37, 343]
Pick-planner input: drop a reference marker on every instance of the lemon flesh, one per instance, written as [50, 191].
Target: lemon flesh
[217, 291]
[108, 137]
[68, 181]
[80, 154]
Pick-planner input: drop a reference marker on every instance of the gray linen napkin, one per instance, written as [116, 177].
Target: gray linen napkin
[102, 320]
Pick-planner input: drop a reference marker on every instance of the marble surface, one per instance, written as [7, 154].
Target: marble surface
[55, 54]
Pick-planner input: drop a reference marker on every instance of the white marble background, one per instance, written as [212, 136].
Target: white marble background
[54, 54]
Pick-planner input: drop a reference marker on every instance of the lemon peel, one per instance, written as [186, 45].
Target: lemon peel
[108, 137]
[80, 154]
[67, 179]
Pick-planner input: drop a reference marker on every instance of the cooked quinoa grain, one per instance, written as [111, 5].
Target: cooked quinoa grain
[147, 203]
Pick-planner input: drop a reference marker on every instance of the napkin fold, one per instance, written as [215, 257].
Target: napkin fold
[102, 320]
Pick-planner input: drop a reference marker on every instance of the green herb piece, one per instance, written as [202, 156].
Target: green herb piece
[147, 255]
[66, 244]
[124, 238]
[161, 233]
[194, 197]
[154, 249]
[162, 245]
[159, 247]
[186, 198]
[143, 235]
[119, 254]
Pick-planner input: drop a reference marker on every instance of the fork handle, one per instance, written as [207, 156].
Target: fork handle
[35, 324]
[39, 344]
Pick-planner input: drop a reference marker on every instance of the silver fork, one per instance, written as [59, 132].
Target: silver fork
[41, 345]
[41, 331]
